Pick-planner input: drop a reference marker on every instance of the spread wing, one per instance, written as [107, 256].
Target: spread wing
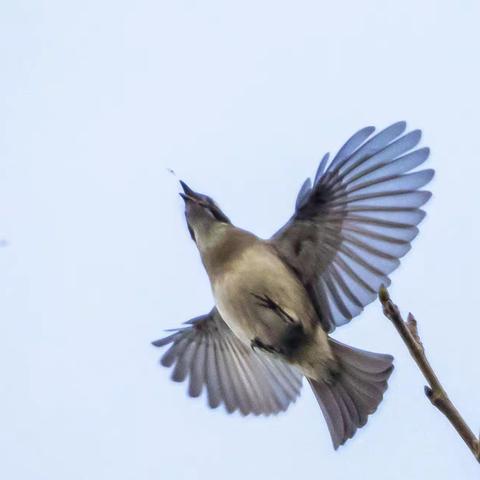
[351, 226]
[209, 354]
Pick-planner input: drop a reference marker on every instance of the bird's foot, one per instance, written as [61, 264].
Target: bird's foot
[266, 302]
[257, 343]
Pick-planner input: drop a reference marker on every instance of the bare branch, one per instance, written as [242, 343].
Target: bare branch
[435, 392]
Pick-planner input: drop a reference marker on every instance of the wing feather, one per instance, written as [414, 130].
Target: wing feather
[211, 356]
[351, 227]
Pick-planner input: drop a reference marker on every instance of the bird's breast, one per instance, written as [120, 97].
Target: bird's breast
[259, 297]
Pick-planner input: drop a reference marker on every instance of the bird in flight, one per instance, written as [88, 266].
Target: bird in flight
[278, 300]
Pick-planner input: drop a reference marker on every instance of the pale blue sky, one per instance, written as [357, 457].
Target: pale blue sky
[97, 99]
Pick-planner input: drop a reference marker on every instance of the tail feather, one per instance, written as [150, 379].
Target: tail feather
[353, 394]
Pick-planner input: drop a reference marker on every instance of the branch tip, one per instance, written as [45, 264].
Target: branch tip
[434, 391]
[383, 294]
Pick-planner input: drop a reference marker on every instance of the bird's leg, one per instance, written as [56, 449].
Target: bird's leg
[266, 302]
[257, 343]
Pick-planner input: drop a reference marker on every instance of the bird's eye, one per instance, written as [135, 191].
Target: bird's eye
[212, 208]
[218, 214]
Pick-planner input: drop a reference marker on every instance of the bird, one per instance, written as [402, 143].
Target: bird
[278, 300]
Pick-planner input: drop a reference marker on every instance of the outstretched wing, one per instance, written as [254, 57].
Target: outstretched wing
[209, 354]
[358, 218]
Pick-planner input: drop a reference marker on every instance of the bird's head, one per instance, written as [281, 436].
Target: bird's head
[202, 214]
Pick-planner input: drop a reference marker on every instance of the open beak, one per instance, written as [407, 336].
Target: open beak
[186, 197]
[189, 194]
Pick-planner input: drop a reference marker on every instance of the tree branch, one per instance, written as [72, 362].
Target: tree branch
[434, 392]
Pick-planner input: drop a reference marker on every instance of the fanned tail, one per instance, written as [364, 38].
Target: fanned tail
[355, 392]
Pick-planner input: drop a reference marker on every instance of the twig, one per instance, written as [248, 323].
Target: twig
[434, 392]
